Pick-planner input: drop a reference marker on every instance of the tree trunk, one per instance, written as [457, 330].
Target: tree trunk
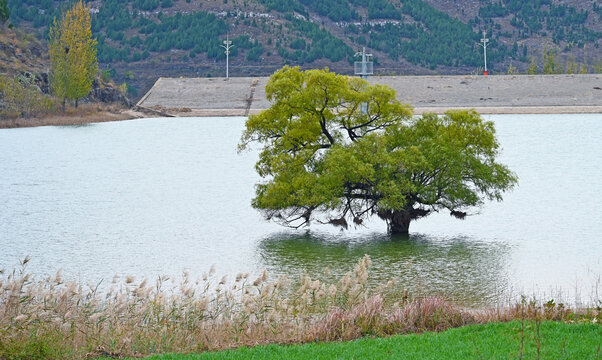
[399, 224]
[76, 101]
[64, 104]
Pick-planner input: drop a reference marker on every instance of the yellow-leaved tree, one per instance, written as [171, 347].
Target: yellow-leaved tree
[72, 54]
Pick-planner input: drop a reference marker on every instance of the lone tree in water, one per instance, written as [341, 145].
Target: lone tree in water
[72, 54]
[338, 150]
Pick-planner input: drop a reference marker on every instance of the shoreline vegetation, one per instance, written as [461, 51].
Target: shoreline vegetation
[84, 114]
[515, 339]
[53, 318]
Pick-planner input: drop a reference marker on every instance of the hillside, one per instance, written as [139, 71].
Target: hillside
[21, 52]
[140, 40]
[25, 89]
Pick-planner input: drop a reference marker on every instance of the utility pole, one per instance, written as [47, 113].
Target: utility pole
[227, 45]
[484, 42]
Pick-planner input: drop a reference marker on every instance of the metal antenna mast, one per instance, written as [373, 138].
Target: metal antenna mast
[484, 42]
[227, 45]
[365, 67]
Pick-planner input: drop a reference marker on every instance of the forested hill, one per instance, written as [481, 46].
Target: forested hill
[140, 40]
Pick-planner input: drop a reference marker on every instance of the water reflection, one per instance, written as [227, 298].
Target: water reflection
[156, 196]
[467, 270]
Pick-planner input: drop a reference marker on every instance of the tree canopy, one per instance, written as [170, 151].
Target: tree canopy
[72, 54]
[4, 11]
[336, 149]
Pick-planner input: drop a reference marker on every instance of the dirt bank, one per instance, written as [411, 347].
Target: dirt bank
[79, 118]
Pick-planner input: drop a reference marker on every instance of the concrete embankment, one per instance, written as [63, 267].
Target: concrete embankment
[494, 94]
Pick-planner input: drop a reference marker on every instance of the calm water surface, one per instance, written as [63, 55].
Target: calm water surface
[157, 196]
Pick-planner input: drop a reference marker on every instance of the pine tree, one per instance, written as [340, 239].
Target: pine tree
[532, 70]
[72, 54]
[550, 65]
[4, 12]
[512, 70]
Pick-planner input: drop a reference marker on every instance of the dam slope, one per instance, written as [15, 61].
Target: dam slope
[493, 94]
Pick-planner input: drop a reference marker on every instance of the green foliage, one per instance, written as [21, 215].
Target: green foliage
[335, 10]
[532, 70]
[429, 41]
[572, 67]
[381, 9]
[106, 75]
[550, 64]
[432, 39]
[145, 5]
[20, 96]
[565, 22]
[489, 341]
[323, 44]
[598, 10]
[298, 44]
[4, 11]
[198, 31]
[512, 70]
[72, 54]
[284, 6]
[255, 52]
[336, 148]
[254, 48]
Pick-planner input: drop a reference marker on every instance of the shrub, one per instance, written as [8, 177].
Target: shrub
[20, 97]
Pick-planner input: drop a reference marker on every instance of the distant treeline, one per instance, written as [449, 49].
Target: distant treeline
[411, 30]
[563, 22]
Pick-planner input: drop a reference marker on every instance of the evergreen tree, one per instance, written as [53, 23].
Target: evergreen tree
[512, 70]
[72, 54]
[550, 65]
[532, 70]
[4, 12]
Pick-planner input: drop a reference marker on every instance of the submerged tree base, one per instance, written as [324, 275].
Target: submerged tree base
[399, 223]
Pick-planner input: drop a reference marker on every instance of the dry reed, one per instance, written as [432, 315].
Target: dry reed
[84, 114]
[54, 318]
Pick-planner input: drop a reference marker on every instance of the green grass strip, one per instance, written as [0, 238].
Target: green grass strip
[490, 341]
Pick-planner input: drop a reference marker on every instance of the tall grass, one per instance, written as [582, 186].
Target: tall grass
[54, 318]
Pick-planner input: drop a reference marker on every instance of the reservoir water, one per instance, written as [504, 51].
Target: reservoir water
[158, 196]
